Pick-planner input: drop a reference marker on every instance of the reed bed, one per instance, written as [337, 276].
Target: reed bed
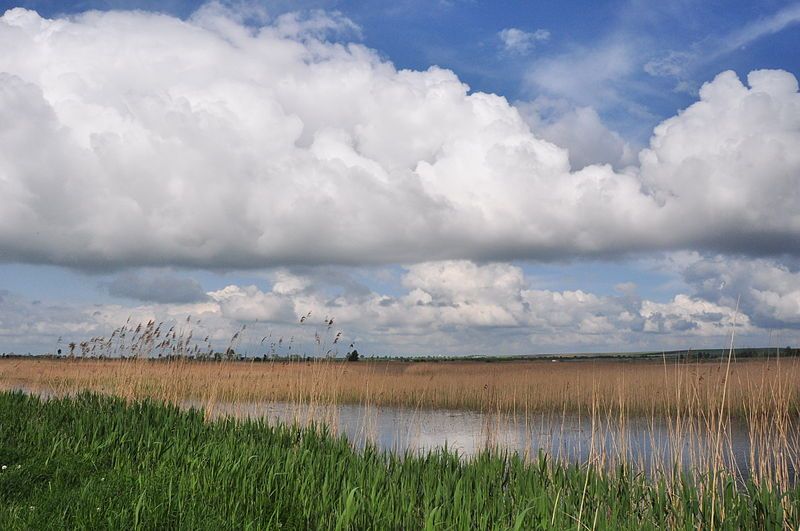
[699, 403]
[643, 388]
[93, 462]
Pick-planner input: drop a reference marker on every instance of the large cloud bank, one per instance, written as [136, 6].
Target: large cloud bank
[130, 138]
[441, 308]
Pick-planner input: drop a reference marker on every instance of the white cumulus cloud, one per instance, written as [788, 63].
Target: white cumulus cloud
[132, 138]
[578, 129]
[450, 307]
[520, 41]
[767, 289]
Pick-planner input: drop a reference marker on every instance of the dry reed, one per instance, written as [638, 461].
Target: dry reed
[646, 388]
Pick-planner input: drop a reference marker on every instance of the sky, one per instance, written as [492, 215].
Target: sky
[447, 177]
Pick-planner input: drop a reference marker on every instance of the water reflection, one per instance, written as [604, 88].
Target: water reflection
[649, 444]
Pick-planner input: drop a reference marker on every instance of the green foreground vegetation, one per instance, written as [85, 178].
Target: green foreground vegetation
[93, 462]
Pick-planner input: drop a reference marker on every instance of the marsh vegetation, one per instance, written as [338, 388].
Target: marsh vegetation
[663, 387]
[90, 461]
[631, 444]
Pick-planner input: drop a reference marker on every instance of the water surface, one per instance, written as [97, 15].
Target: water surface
[649, 444]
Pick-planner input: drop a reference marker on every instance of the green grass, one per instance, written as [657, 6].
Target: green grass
[93, 462]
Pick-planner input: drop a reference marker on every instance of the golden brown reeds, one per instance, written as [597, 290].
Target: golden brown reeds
[668, 389]
[687, 397]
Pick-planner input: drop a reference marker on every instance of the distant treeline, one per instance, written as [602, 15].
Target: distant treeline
[682, 355]
[688, 355]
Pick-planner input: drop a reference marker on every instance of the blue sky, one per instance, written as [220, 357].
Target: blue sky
[593, 78]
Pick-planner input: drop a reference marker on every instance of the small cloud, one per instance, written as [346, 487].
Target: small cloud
[686, 87]
[673, 64]
[316, 24]
[626, 288]
[586, 76]
[678, 66]
[519, 41]
[241, 12]
[762, 27]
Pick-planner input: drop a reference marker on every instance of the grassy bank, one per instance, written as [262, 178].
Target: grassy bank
[639, 388]
[99, 462]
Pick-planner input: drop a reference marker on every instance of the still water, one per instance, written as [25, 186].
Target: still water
[649, 444]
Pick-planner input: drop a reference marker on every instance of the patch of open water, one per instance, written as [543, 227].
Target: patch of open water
[648, 444]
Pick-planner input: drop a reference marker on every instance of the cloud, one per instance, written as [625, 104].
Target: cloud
[585, 76]
[672, 64]
[677, 65]
[684, 314]
[760, 28]
[730, 162]
[136, 139]
[23, 321]
[461, 306]
[450, 307]
[766, 289]
[156, 286]
[251, 304]
[518, 41]
[316, 24]
[683, 64]
[578, 129]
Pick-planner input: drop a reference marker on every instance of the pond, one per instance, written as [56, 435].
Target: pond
[649, 444]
